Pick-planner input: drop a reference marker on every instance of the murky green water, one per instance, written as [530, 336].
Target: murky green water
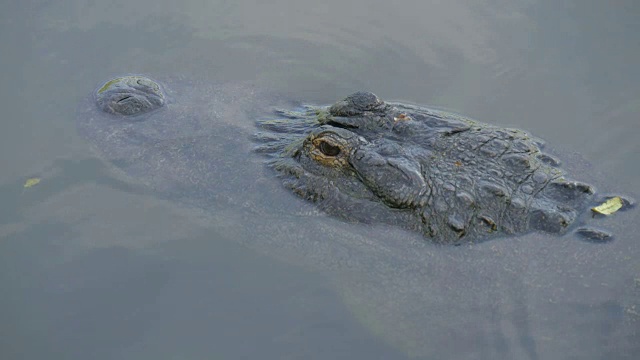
[93, 265]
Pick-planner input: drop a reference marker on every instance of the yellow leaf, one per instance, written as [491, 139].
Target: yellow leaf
[31, 182]
[609, 207]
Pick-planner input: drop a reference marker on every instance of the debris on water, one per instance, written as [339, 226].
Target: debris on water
[609, 207]
[594, 235]
[31, 182]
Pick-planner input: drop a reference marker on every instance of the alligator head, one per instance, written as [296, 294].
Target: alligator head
[444, 175]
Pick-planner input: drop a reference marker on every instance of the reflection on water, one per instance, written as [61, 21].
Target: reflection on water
[98, 265]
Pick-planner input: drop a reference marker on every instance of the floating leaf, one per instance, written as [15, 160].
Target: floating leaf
[31, 182]
[609, 207]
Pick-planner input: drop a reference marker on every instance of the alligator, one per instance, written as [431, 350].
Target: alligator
[451, 178]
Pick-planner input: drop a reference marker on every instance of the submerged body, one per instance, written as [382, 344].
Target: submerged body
[413, 295]
[185, 139]
[446, 176]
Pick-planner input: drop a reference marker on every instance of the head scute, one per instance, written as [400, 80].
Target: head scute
[358, 103]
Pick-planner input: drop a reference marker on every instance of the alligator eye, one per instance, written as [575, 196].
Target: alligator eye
[328, 149]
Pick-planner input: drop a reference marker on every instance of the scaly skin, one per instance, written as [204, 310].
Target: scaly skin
[362, 159]
[449, 177]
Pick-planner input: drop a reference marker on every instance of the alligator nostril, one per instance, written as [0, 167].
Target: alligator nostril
[124, 99]
[123, 96]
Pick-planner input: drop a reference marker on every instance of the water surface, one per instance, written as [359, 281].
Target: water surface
[94, 265]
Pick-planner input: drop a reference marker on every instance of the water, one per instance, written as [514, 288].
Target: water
[93, 265]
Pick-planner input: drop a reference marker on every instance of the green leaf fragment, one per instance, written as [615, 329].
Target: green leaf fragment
[31, 182]
[609, 207]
